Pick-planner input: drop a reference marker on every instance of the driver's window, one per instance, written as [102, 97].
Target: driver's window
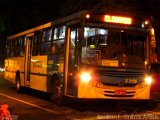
[94, 45]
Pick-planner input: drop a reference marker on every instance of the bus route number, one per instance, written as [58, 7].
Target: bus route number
[130, 81]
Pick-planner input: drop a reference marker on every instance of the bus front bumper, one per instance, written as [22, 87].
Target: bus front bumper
[113, 92]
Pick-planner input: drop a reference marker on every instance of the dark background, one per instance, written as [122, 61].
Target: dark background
[20, 15]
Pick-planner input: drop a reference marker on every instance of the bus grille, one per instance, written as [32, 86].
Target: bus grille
[119, 84]
[120, 73]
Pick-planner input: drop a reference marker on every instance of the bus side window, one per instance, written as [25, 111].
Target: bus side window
[14, 49]
[21, 47]
[45, 48]
[21, 52]
[57, 47]
[46, 41]
[8, 47]
[58, 40]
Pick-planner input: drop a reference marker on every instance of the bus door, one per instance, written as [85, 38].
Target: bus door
[72, 64]
[27, 62]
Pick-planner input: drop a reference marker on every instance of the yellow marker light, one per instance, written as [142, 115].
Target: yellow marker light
[118, 19]
[148, 80]
[85, 77]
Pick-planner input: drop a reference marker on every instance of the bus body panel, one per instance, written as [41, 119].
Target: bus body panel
[38, 75]
[12, 65]
[38, 82]
[41, 70]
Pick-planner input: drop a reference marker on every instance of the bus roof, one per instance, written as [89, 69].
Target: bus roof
[68, 19]
[30, 31]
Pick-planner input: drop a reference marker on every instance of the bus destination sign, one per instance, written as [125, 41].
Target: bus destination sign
[114, 19]
[117, 19]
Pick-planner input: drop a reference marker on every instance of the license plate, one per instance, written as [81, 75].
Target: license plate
[120, 92]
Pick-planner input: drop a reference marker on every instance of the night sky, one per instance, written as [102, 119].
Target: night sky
[20, 15]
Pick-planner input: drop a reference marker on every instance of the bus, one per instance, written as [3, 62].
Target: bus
[87, 55]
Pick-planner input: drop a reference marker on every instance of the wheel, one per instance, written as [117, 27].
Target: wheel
[57, 92]
[18, 84]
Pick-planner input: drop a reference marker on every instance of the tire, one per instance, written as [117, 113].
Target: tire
[57, 92]
[18, 84]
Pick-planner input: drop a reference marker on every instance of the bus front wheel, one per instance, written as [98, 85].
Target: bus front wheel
[57, 92]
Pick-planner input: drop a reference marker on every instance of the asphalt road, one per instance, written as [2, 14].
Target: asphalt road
[35, 105]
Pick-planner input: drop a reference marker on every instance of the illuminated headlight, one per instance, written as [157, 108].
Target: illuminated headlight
[148, 80]
[85, 77]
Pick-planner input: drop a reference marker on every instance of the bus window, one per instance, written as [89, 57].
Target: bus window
[8, 47]
[46, 41]
[57, 47]
[21, 46]
[14, 48]
[45, 48]
[58, 40]
[59, 32]
[36, 43]
[115, 48]
[72, 49]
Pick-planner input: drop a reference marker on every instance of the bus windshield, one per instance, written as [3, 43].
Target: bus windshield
[113, 48]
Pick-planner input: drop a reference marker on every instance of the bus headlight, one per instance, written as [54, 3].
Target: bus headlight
[85, 77]
[148, 80]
